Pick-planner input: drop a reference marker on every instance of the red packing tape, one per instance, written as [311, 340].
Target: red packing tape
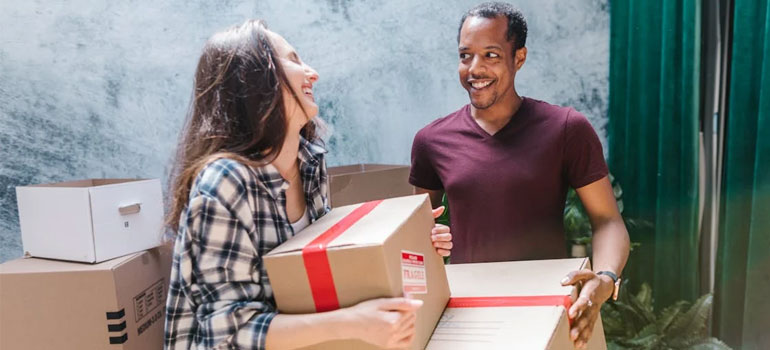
[537, 300]
[319, 272]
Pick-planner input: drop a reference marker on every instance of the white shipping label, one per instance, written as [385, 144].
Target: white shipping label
[413, 277]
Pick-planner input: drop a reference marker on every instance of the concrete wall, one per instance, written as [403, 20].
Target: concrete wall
[100, 88]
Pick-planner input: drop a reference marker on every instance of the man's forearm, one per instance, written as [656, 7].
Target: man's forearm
[610, 246]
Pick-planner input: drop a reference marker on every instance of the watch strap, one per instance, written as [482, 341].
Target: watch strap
[610, 274]
[615, 279]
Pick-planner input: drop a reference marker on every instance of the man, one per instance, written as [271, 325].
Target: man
[506, 162]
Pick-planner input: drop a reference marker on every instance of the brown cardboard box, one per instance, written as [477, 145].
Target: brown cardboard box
[117, 304]
[510, 327]
[386, 253]
[359, 183]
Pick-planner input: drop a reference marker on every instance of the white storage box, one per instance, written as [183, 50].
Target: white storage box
[90, 220]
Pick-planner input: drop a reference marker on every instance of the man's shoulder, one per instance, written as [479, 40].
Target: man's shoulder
[440, 125]
[551, 111]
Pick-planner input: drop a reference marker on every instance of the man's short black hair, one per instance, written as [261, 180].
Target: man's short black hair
[517, 25]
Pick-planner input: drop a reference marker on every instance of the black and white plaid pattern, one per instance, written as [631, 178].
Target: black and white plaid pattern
[219, 294]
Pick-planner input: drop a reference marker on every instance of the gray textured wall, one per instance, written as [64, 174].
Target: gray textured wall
[100, 88]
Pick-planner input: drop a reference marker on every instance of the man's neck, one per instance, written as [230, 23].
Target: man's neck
[495, 117]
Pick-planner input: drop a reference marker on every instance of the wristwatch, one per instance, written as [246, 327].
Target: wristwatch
[615, 279]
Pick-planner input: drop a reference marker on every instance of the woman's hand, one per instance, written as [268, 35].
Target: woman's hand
[440, 235]
[388, 322]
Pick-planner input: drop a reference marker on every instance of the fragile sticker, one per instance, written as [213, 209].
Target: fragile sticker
[413, 278]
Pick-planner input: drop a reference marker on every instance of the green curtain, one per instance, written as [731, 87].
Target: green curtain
[653, 138]
[742, 290]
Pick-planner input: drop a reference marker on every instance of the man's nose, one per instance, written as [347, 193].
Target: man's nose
[477, 66]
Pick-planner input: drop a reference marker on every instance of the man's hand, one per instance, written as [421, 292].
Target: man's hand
[440, 235]
[595, 290]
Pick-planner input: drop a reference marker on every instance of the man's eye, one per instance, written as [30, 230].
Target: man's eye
[493, 55]
[464, 56]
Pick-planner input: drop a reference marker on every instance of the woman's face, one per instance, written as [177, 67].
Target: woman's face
[301, 78]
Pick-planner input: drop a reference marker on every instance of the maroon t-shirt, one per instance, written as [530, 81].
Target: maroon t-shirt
[506, 191]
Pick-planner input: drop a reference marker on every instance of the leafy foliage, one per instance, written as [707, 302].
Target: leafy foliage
[577, 224]
[631, 323]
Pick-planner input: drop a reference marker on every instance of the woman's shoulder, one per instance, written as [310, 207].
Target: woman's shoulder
[222, 178]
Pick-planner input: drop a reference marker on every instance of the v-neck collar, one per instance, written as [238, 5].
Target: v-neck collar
[512, 123]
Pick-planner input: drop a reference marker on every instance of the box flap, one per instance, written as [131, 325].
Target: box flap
[515, 278]
[372, 229]
[360, 168]
[87, 183]
[38, 265]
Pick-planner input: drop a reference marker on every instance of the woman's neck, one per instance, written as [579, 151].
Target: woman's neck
[286, 161]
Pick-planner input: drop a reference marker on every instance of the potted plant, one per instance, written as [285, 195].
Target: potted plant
[632, 323]
[577, 225]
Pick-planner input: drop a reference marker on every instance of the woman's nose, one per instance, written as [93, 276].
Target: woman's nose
[312, 74]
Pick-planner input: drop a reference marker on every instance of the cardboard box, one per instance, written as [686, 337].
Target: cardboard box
[474, 318]
[351, 184]
[90, 220]
[361, 252]
[118, 304]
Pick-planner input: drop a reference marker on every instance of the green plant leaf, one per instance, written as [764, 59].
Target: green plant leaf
[710, 344]
[617, 191]
[694, 321]
[669, 314]
[648, 330]
[631, 323]
[651, 341]
[642, 302]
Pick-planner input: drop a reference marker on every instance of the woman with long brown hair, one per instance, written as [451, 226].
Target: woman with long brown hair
[250, 173]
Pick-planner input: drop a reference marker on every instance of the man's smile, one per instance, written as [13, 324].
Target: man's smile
[480, 84]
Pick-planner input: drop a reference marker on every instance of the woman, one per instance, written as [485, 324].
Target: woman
[251, 173]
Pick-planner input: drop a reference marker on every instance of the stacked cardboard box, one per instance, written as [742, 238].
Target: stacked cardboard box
[358, 183]
[116, 304]
[111, 290]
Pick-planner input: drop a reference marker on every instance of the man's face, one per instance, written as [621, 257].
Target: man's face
[487, 64]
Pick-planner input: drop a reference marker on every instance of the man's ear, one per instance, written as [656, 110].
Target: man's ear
[521, 57]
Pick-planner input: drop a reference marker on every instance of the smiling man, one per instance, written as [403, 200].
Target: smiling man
[506, 162]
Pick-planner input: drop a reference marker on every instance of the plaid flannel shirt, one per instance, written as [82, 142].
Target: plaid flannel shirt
[219, 294]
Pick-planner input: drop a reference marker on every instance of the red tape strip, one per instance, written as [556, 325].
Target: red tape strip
[537, 300]
[319, 272]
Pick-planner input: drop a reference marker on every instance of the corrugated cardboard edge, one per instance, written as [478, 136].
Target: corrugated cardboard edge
[94, 258]
[597, 341]
[557, 341]
[398, 228]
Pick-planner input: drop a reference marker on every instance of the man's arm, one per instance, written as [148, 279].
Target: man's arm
[610, 252]
[610, 239]
[435, 195]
